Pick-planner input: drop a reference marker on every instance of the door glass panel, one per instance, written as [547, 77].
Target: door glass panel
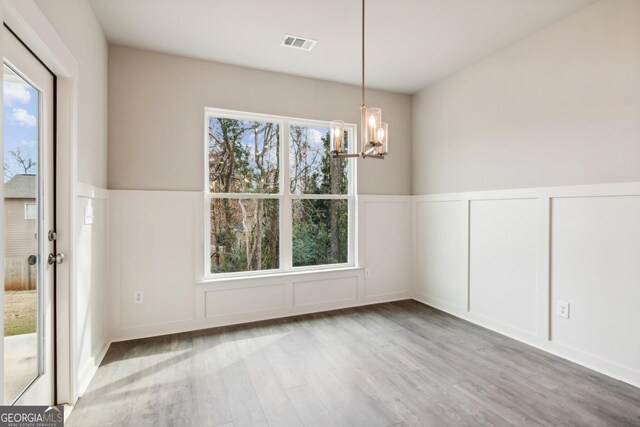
[21, 226]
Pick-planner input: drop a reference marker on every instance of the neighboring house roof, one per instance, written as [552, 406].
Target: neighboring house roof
[21, 186]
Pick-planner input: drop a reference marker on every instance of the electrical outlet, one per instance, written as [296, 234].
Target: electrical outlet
[138, 297]
[367, 273]
[562, 310]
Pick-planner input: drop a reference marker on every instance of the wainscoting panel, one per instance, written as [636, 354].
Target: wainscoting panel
[518, 252]
[502, 262]
[440, 274]
[153, 251]
[318, 292]
[596, 269]
[250, 300]
[385, 228]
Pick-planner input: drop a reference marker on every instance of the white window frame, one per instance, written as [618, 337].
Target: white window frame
[283, 195]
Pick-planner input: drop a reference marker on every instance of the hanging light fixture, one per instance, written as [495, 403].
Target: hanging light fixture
[374, 132]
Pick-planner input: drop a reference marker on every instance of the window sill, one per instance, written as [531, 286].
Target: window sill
[279, 274]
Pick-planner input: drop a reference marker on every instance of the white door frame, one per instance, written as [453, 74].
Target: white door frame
[24, 64]
[26, 19]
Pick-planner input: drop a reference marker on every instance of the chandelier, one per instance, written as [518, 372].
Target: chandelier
[374, 133]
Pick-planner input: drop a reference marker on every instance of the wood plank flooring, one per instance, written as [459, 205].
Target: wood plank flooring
[399, 363]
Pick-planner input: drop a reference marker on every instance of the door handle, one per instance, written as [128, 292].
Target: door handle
[56, 259]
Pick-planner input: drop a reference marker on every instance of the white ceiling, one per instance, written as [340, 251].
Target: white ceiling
[410, 43]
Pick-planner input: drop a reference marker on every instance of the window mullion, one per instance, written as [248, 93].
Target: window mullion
[286, 252]
[286, 255]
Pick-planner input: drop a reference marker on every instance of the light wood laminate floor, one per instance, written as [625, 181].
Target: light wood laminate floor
[399, 363]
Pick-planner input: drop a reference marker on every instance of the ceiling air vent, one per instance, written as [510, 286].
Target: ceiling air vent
[298, 42]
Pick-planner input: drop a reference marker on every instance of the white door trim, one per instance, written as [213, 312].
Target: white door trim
[27, 20]
[38, 77]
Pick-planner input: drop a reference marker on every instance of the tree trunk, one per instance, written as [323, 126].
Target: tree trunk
[230, 170]
[333, 211]
[275, 255]
[246, 226]
[258, 237]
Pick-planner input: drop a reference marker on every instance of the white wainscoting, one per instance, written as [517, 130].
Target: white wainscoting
[92, 335]
[240, 301]
[153, 250]
[596, 267]
[385, 243]
[157, 241]
[441, 252]
[248, 299]
[502, 259]
[502, 262]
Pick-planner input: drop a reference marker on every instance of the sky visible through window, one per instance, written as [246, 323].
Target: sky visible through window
[20, 126]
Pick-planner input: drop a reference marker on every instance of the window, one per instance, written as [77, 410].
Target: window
[30, 211]
[319, 226]
[278, 201]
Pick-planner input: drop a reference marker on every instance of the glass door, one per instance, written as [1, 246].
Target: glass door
[28, 203]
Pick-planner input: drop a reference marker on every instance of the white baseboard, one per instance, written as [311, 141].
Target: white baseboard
[87, 374]
[148, 331]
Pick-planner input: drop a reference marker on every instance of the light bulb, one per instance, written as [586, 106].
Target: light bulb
[337, 130]
[380, 134]
[372, 121]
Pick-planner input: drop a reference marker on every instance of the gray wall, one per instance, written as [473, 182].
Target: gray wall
[156, 117]
[561, 107]
[76, 23]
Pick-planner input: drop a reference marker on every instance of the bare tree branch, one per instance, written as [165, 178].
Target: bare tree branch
[20, 160]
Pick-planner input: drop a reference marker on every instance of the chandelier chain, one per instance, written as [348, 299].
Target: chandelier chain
[363, 95]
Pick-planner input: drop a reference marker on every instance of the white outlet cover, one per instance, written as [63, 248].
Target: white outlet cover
[562, 309]
[367, 273]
